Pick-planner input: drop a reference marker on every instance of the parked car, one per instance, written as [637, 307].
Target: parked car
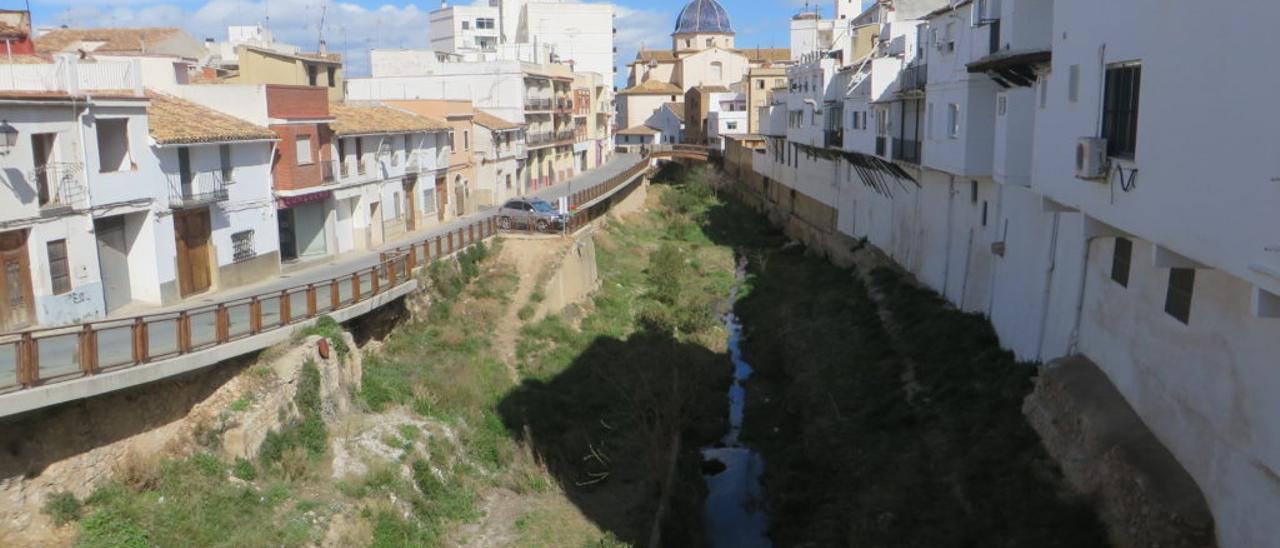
[530, 213]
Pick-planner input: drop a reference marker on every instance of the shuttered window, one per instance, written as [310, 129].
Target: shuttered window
[1120, 109]
[1120, 260]
[1177, 302]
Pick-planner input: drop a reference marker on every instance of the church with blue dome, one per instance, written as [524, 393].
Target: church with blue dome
[702, 60]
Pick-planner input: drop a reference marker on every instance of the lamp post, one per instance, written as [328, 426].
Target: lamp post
[8, 137]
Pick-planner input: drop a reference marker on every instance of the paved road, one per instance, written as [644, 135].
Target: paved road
[58, 355]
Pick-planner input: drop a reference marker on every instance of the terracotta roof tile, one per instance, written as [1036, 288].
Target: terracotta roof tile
[177, 121]
[761, 55]
[638, 130]
[349, 119]
[493, 122]
[652, 87]
[677, 108]
[659, 55]
[114, 40]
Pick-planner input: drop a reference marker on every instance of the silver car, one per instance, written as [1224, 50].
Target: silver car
[530, 213]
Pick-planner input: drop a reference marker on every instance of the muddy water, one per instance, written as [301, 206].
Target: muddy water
[735, 512]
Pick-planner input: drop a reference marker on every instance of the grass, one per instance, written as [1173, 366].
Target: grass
[63, 508]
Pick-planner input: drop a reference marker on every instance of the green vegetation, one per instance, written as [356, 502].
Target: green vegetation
[325, 326]
[307, 433]
[63, 508]
[907, 434]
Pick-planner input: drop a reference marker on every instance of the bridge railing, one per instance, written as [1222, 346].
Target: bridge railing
[45, 355]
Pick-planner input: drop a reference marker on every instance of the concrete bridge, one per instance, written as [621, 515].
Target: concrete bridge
[685, 152]
[47, 366]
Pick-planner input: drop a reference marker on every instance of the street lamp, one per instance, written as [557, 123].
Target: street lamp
[8, 136]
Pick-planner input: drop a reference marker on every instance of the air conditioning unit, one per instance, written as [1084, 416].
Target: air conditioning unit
[1091, 158]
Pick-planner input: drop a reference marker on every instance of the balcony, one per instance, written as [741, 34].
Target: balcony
[539, 139]
[564, 103]
[905, 150]
[196, 189]
[537, 103]
[564, 135]
[880, 148]
[915, 77]
[833, 138]
[59, 187]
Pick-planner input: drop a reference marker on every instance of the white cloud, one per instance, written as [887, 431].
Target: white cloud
[635, 27]
[348, 28]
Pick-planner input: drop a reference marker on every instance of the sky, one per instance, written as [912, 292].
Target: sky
[355, 26]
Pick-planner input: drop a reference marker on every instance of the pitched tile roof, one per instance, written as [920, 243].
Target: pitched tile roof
[177, 121]
[349, 119]
[493, 122]
[761, 55]
[712, 89]
[114, 40]
[676, 108]
[638, 130]
[659, 55]
[652, 87]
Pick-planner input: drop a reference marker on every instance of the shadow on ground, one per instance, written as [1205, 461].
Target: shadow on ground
[604, 427]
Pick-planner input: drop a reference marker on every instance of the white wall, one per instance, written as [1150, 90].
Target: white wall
[578, 32]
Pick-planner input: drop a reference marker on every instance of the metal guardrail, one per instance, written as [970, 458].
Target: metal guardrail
[59, 186]
[906, 150]
[45, 355]
[197, 189]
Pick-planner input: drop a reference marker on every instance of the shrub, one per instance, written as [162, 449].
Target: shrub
[63, 508]
[244, 469]
[328, 328]
[525, 313]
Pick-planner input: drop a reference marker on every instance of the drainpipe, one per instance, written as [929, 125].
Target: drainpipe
[1073, 343]
[1048, 286]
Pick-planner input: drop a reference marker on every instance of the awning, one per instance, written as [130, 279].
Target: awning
[291, 201]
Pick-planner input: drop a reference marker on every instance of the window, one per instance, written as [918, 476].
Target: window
[953, 120]
[1001, 105]
[731, 125]
[759, 84]
[311, 75]
[951, 42]
[984, 213]
[710, 42]
[453, 143]
[1044, 91]
[717, 71]
[429, 200]
[1073, 83]
[1120, 109]
[303, 146]
[466, 140]
[973, 191]
[1177, 302]
[113, 145]
[396, 213]
[59, 268]
[484, 23]
[1121, 257]
[408, 146]
[333, 77]
[224, 158]
[242, 246]
[466, 25]
[508, 181]
[928, 116]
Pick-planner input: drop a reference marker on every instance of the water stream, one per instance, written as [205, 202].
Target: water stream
[735, 511]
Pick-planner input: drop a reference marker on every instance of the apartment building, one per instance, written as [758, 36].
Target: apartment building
[251, 55]
[387, 162]
[726, 116]
[1028, 159]
[453, 190]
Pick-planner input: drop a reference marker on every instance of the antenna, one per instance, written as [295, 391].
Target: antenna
[323, 9]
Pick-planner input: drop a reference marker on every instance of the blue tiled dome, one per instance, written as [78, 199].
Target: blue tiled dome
[703, 16]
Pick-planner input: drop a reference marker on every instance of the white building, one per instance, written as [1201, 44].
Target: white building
[726, 115]
[971, 157]
[499, 154]
[457, 29]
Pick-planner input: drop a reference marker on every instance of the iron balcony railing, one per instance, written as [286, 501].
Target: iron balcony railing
[537, 103]
[196, 189]
[906, 150]
[59, 186]
[915, 77]
[564, 103]
[564, 135]
[540, 138]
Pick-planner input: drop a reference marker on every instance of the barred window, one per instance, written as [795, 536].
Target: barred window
[1120, 109]
[59, 267]
[242, 246]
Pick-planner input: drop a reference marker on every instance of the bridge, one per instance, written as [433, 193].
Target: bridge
[684, 152]
[45, 366]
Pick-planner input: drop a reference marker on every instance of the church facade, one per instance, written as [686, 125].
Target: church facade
[702, 54]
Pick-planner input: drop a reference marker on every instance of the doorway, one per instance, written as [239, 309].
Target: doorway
[113, 260]
[288, 245]
[459, 195]
[17, 309]
[375, 224]
[42, 154]
[410, 185]
[191, 234]
[442, 194]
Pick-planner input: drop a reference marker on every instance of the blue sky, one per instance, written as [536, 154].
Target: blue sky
[357, 25]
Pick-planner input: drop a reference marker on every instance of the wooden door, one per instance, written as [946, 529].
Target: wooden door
[410, 185]
[191, 235]
[17, 308]
[442, 197]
